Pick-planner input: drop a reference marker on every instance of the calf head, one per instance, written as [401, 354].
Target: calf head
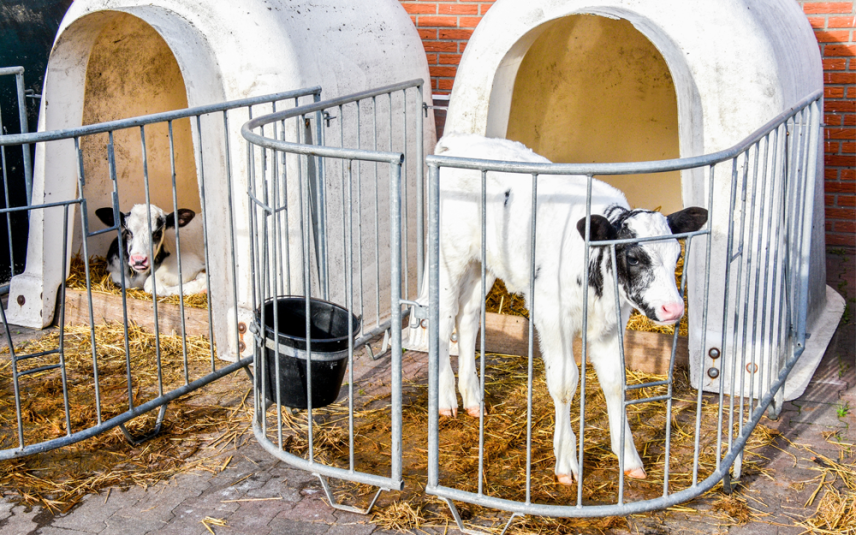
[646, 271]
[140, 239]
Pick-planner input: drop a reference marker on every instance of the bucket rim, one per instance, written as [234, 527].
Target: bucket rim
[276, 335]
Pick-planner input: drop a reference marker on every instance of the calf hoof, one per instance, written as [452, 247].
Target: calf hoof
[566, 479]
[636, 473]
[475, 412]
[453, 413]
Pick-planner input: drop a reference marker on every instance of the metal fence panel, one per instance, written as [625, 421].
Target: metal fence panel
[760, 267]
[67, 222]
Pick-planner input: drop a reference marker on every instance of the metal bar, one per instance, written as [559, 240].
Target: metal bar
[124, 417]
[623, 371]
[8, 203]
[395, 177]
[483, 320]
[624, 168]
[152, 258]
[420, 192]
[25, 147]
[433, 324]
[232, 224]
[109, 126]
[531, 342]
[349, 295]
[203, 203]
[331, 103]
[584, 336]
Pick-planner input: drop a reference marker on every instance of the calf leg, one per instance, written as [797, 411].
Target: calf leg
[448, 401]
[562, 378]
[605, 357]
[469, 314]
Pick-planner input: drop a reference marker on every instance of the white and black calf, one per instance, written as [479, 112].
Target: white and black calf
[141, 270]
[646, 278]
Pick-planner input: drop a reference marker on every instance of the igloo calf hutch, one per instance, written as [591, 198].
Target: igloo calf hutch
[687, 90]
[143, 102]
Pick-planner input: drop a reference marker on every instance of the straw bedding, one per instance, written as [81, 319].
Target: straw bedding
[505, 450]
[101, 282]
[59, 478]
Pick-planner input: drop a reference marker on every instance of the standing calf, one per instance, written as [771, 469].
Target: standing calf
[646, 278]
[140, 270]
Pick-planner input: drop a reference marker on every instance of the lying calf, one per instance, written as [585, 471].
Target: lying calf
[140, 241]
[646, 278]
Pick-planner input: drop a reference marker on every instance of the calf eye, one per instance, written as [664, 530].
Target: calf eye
[632, 260]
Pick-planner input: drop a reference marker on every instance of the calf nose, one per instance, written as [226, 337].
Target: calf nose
[138, 260]
[671, 311]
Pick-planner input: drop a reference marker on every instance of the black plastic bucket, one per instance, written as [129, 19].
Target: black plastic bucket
[329, 344]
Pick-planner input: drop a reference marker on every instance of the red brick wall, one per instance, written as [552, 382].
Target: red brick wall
[446, 26]
[833, 24]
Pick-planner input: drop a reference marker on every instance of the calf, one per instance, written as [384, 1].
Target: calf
[142, 271]
[646, 278]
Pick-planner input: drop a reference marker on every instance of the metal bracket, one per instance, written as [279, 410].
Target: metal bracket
[350, 508]
[426, 107]
[136, 441]
[328, 118]
[460, 523]
[384, 347]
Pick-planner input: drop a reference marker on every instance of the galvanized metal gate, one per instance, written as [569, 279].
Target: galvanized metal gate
[210, 128]
[764, 265]
[330, 221]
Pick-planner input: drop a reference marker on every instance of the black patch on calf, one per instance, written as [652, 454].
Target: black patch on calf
[687, 220]
[634, 277]
[507, 195]
[595, 273]
[183, 216]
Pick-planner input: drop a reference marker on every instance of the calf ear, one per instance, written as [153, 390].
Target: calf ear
[687, 220]
[601, 228]
[184, 217]
[106, 216]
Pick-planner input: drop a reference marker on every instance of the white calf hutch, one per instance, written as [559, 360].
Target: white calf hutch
[303, 145]
[119, 59]
[610, 81]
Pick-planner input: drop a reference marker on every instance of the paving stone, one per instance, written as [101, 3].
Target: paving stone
[51, 530]
[350, 528]
[820, 414]
[120, 525]
[285, 526]
[19, 521]
[192, 481]
[5, 509]
[254, 516]
[289, 489]
[212, 504]
[311, 508]
[95, 509]
[159, 503]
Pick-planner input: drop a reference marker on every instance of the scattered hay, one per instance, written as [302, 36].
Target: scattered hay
[505, 450]
[733, 506]
[102, 282]
[195, 425]
[500, 301]
[836, 507]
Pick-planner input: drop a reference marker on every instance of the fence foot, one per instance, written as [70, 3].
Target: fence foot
[460, 523]
[136, 441]
[350, 508]
[726, 483]
[383, 348]
[510, 520]
[774, 410]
